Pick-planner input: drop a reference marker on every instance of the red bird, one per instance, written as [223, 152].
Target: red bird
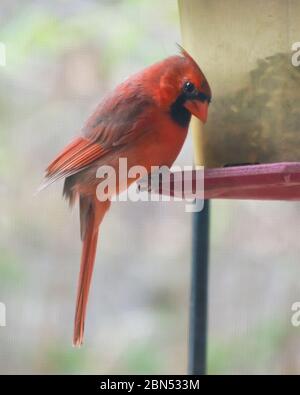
[145, 119]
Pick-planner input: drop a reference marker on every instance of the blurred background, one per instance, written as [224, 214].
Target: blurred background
[62, 57]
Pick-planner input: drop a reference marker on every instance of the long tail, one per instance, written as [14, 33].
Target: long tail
[91, 216]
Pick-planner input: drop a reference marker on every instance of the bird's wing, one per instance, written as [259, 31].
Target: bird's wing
[116, 123]
[120, 118]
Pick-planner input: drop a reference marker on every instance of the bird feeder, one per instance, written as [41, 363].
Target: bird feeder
[251, 143]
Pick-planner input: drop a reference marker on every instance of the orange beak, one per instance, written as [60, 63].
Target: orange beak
[198, 108]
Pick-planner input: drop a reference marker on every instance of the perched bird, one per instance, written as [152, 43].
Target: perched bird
[145, 120]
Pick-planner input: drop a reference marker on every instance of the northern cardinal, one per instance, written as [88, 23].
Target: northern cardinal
[145, 119]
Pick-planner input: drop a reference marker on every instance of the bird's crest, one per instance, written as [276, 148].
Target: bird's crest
[185, 54]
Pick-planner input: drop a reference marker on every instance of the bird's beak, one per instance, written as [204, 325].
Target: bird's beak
[198, 108]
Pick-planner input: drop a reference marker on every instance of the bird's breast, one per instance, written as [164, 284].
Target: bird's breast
[161, 146]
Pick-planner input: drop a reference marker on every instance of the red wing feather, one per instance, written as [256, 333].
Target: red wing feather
[118, 121]
[76, 156]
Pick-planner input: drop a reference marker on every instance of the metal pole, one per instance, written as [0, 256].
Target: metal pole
[199, 292]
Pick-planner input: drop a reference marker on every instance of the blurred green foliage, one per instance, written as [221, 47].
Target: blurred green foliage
[39, 31]
[10, 271]
[62, 358]
[142, 358]
[259, 345]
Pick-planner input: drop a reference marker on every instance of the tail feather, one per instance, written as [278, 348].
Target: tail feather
[90, 221]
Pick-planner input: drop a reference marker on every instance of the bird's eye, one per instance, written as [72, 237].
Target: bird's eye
[189, 87]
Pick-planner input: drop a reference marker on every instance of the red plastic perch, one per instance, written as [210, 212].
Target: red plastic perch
[274, 181]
